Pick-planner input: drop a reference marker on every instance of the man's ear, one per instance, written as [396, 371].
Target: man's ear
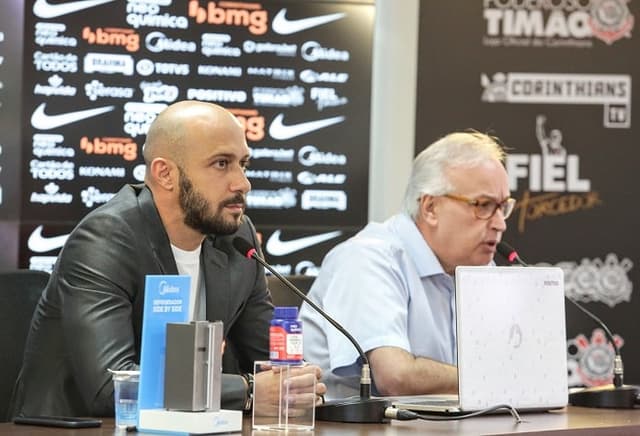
[163, 173]
[428, 209]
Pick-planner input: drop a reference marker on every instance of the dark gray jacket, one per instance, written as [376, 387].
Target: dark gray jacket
[89, 317]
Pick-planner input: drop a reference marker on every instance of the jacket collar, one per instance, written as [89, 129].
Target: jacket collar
[154, 231]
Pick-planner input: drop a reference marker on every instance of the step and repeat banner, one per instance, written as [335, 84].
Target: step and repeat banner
[96, 73]
[554, 80]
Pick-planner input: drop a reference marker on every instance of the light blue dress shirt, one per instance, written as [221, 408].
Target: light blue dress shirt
[387, 288]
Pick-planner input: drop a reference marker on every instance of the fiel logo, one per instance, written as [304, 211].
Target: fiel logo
[249, 15]
[555, 172]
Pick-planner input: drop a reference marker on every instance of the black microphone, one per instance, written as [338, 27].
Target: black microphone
[363, 409]
[620, 396]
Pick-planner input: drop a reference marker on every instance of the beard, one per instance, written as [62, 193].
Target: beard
[197, 209]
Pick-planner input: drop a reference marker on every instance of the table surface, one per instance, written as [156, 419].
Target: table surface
[572, 421]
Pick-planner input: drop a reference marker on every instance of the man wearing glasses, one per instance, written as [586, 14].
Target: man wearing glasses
[392, 285]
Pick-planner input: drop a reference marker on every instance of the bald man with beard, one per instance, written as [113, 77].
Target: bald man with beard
[182, 220]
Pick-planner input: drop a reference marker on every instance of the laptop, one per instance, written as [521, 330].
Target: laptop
[511, 342]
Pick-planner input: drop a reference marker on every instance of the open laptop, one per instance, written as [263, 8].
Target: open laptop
[511, 342]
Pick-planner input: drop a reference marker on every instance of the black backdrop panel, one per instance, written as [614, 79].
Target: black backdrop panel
[297, 75]
[300, 250]
[554, 81]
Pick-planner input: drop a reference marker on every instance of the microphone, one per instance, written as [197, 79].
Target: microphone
[619, 396]
[363, 409]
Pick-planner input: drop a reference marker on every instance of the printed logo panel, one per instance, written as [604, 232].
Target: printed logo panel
[98, 72]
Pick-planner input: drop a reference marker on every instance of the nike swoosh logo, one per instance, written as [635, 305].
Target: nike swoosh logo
[276, 247]
[42, 8]
[42, 121]
[283, 26]
[40, 244]
[277, 130]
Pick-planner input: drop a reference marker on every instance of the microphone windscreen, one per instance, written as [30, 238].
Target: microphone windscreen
[243, 246]
[506, 250]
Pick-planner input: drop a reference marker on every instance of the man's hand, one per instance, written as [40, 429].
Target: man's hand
[290, 392]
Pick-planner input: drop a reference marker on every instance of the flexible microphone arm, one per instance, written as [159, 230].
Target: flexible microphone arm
[365, 408]
[251, 253]
[509, 253]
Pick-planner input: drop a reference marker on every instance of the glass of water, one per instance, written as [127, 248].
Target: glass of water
[125, 385]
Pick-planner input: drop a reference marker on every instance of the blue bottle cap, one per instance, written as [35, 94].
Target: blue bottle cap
[286, 312]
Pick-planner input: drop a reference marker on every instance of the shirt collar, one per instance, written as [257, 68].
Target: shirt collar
[424, 259]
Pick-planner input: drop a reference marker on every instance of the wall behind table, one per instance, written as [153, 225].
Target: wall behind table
[555, 85]
[297, 74]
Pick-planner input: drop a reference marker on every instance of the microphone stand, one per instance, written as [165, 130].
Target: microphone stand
[362, 409]
[618, 396]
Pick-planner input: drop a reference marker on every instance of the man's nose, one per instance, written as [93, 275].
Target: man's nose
[498, 222]
[241, 182]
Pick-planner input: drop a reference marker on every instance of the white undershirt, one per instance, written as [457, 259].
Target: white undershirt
[188, 263]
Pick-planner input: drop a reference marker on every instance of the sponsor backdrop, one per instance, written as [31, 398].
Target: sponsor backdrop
[96, 73]
[554, 81]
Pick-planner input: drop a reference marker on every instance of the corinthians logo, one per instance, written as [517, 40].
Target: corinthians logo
[598, 281]
[612, 91]
[554, 174]
[555, 23]
[590, 360]
[611, 20]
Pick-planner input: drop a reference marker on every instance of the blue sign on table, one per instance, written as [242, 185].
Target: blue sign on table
[166, 300]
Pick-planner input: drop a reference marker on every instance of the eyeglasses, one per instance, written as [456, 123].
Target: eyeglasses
[485, 208]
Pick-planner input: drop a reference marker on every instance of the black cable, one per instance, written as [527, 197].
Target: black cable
[407, 415]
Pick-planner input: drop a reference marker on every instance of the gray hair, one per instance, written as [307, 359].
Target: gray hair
[459, 149]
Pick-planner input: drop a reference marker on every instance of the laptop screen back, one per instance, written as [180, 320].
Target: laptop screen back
[511, 337]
